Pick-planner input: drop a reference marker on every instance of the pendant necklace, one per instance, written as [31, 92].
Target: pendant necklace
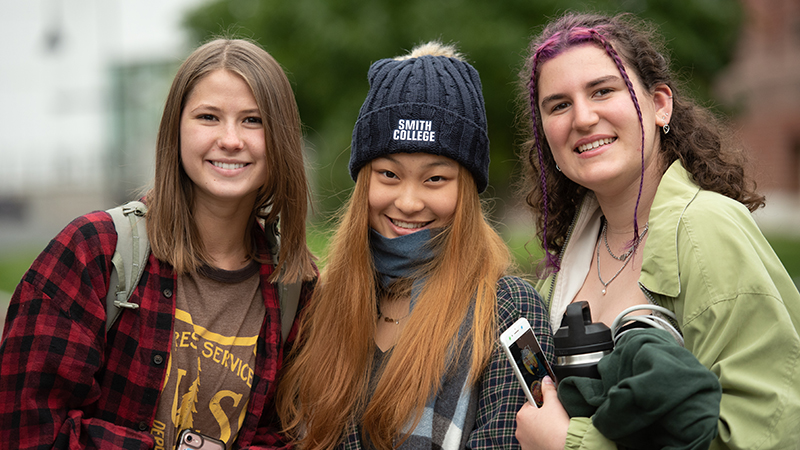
[624, 257]
[389, 319]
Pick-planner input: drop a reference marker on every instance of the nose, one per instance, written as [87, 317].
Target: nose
[230, 138]
[585, 115]
[409, 201]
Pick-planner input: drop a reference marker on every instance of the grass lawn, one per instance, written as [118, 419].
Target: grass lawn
[12, 266]
[788, 250]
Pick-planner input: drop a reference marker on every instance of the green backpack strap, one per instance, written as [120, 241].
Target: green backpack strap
[288, 294]
[129, 259]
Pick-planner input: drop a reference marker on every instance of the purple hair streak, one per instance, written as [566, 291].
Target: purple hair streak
[552, 47]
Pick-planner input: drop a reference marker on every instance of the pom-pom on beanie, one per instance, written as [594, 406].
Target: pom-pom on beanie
[430, 102]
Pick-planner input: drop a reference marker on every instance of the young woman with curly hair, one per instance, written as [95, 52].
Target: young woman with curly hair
[641, 199]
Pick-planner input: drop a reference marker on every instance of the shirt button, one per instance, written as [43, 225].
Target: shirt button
[158, 359]
[167, 293]
[143, 426]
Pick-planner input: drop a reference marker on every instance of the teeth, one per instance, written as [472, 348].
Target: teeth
[595, 144]
[408, 225]
[227, 166]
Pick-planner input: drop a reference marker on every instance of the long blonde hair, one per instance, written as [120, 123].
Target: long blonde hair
[173, 235]
[324, 386]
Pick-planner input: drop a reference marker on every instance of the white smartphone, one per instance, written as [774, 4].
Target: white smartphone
[192, 440]
[527, 359]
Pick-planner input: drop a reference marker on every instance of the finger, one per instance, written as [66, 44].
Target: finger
[548, 389]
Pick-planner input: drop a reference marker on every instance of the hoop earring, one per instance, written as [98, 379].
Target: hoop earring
[665, 128]
[558, 168]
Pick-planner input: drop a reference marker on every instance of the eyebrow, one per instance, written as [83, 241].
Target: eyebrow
[589, 85]
[216, 109]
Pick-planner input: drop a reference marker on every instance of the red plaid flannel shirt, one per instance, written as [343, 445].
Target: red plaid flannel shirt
[61, 386]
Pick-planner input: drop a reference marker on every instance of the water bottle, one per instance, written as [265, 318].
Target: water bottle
[580, 344]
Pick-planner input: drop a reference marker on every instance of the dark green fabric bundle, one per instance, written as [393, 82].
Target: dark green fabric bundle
[653, 393]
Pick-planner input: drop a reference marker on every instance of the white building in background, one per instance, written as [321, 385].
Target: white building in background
[82, 84]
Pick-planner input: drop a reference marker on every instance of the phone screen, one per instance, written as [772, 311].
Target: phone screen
[531, 362]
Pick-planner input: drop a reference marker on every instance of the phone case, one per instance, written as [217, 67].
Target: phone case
[527, 359]
[192, 440]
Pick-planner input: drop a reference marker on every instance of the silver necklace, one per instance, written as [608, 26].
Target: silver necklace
[625, 256]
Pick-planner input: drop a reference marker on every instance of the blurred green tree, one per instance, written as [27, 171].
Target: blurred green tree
[326, 47]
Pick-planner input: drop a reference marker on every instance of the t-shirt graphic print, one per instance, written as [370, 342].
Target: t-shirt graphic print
[218, 318]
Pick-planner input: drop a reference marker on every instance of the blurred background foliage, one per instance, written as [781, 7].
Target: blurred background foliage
[327, 46]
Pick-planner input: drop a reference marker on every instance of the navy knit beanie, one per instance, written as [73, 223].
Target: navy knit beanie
[430, 104]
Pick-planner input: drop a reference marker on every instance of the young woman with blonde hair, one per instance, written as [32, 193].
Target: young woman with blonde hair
[399, 344]
[202, 349]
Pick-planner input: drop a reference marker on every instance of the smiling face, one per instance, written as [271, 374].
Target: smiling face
[409, 192]
[590, 121]
[223, 146]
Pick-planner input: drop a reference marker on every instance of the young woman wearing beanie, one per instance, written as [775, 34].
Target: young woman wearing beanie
[399, 346]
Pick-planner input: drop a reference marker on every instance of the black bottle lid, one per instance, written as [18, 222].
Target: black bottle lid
[578, 335]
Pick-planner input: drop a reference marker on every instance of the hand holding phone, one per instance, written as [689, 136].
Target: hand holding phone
[192, 440]
[527, 359]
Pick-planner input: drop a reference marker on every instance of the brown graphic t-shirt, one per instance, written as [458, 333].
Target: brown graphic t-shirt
[218, 318]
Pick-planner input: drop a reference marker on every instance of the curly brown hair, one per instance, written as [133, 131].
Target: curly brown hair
[697, 137]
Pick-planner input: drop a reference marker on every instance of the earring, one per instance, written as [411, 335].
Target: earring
[665, 128]
[558, 168]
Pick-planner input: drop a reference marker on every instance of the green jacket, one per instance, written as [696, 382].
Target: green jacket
[739, 311]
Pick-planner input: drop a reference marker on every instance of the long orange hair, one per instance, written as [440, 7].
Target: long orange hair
[324, 386]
